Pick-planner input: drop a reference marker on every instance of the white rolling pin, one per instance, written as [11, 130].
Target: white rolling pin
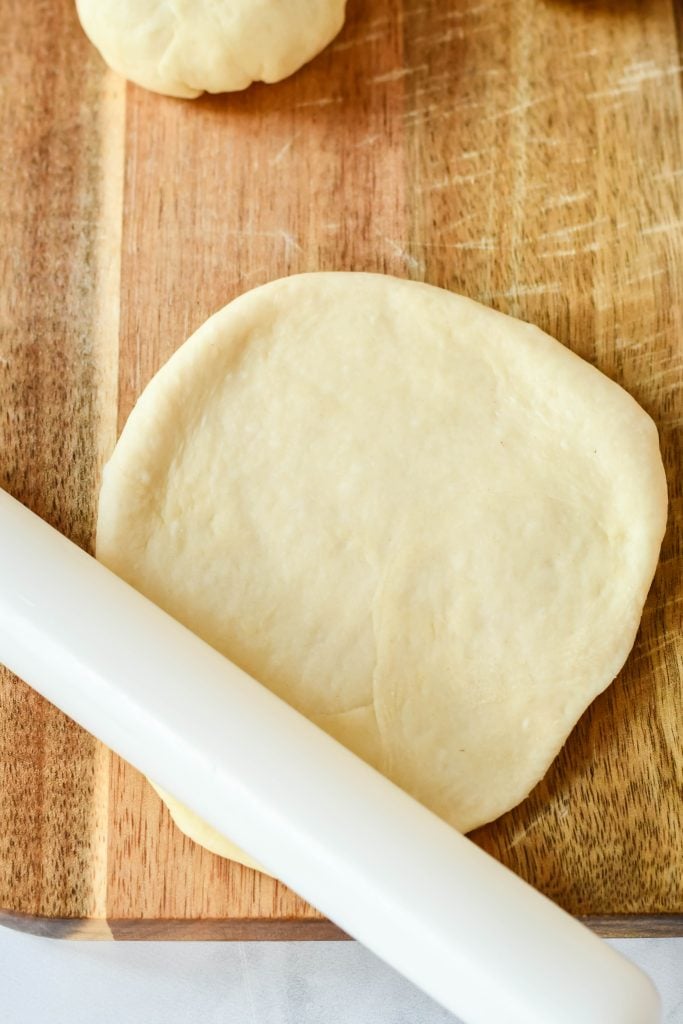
[389, 872]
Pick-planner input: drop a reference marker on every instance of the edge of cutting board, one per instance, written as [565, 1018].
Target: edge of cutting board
[174, 929]
[240, 929]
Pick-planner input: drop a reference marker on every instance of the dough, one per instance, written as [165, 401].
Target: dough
[186, 47]
[428, 526]
[197, 829]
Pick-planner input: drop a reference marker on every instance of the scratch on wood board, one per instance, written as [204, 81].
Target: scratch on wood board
[575, 228]
[550, 288]
[666, 227]
[396, 74]
[282, 152]
[565, 199]
[410, 261]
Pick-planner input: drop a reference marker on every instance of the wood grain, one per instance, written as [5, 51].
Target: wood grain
[526, 154]
[57, 420]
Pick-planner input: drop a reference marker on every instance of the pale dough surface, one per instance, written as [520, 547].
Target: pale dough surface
[429, 527]
[187, 47]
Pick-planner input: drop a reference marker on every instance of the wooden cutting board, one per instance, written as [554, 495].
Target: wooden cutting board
[528, 154]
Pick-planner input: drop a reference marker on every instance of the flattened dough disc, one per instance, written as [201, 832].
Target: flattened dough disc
[429, 527]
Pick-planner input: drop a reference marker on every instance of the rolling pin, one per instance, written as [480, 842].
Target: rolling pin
[424, 898]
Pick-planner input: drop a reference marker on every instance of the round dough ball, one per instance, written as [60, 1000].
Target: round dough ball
[429, 527]
[187, 47]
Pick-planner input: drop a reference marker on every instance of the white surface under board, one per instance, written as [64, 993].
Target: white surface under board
[61, 982]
